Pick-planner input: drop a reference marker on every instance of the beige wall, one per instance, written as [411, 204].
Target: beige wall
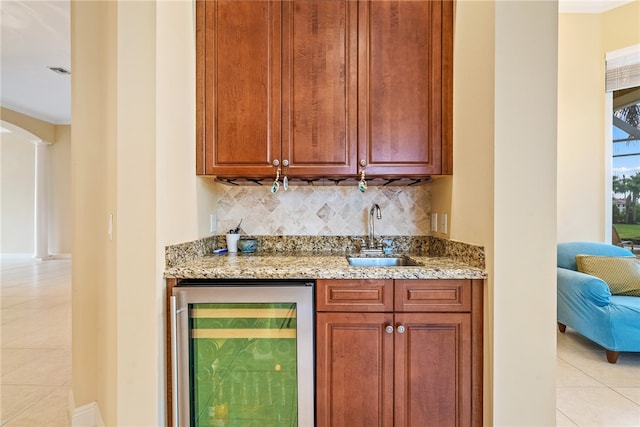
[621, 27]
[136, 319]
[18, 152]
[581, 163]
[17, 182]
[94, 269]
[503, 194]
[440, 202]
[584, 183]
[524, 258]
[471, 187]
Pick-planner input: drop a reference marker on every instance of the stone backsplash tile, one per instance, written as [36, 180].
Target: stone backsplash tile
[322, 211]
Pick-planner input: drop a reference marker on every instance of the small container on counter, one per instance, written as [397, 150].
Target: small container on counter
[232, 242]
[247, 245]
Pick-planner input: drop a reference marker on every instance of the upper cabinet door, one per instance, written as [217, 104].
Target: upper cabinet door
[319, 93]
[405, 87]
[238, 87]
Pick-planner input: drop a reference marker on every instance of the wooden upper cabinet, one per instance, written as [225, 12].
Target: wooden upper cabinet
[238, 86]
[276, 81]
[319, 92]
[321, 86]
[405, 105]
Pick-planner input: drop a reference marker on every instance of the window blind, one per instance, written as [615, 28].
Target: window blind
[623, 68]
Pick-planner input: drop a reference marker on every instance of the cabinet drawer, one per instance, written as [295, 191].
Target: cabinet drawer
[354, 295]
[432, 295]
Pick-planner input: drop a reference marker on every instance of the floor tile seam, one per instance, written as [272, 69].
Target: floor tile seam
[38, 348]
[56, 346]
[37, 316]
[581, 349]
[24, 409]
[616, 384]
[33, 321]
[12, 269]
[626, 397]
[34, 281]
[582, 371]
[567, 416]
[598, 388]
[621, 363]
[558, 356]
[15, 291]
[21, 314]
[34, 318]
[580, 386]
[15, 306]
[607, 384]
[61, 349]
[39, 357]
[56, 385]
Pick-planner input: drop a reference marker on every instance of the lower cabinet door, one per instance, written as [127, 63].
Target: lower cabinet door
[432, 370]
[354, 369]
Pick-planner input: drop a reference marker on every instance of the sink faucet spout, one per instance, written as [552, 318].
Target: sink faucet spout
[375, 209]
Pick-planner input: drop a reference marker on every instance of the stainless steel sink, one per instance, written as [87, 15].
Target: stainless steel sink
[381, 261]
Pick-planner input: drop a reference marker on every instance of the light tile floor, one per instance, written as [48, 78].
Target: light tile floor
[35, 376]
[35, 358]
[592, 391]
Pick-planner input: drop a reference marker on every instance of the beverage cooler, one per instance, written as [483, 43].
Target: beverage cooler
[242, 353]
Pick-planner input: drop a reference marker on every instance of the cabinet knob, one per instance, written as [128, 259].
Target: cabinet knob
[285, 162]
[363, 162]
[276, 163]
[389, 329]
[401, 329]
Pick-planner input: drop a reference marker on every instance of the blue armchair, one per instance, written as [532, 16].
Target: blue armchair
[585, 302]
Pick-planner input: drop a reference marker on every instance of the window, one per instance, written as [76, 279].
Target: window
[623, 79]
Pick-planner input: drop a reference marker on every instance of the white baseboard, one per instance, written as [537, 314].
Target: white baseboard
[86, 415]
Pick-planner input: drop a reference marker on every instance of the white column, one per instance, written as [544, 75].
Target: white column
[41, 229]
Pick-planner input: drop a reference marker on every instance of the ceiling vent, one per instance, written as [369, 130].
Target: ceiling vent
[60, 70]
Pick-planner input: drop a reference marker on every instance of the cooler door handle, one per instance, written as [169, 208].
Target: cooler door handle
[174, 362]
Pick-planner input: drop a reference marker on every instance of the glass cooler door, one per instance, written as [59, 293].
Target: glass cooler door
[247, 365]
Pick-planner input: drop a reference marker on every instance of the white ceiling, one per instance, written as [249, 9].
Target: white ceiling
[589, 6]
[36, 34]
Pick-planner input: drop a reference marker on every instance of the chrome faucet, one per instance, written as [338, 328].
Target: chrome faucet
[372, 247]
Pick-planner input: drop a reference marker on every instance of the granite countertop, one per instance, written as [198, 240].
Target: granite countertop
[312, 265]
